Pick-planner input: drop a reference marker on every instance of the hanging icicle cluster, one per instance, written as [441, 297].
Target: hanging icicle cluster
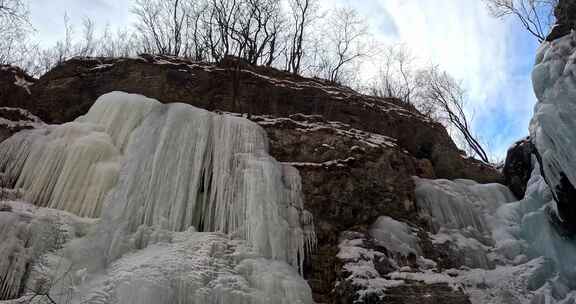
[170, 166]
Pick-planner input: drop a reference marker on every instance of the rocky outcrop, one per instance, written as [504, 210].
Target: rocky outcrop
[71, 88]
[518, 166]
[13, 120]
[15, 86]
[565, 20]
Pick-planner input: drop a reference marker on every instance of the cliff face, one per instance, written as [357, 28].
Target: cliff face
[70, 89]
[565, 22]
[356, 154]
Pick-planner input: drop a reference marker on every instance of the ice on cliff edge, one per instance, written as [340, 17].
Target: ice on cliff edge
[191, 208]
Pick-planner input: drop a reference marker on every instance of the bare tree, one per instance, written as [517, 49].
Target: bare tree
[13, 10]
[14, 29]
[64, 48]
[448, 98]
[303, 14]
[262, 35]
[396, 75]
[162, 24]
[122, 43]
[535, 15]
[346, 43]
[194, 42]
[87, 46]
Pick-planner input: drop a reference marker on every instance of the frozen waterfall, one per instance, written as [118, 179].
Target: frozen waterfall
[192, 208]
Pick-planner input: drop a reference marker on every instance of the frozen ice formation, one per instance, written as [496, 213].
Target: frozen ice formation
[191, 207]
[396, 236]
[515, 253]
[553, 124]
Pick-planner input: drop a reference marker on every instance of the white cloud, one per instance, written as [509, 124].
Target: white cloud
[48, 16]
[491, 57]
[458, 35]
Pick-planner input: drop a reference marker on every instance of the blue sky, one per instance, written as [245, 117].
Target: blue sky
[493, 58]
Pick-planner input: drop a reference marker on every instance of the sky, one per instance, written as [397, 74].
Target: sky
[491, 57]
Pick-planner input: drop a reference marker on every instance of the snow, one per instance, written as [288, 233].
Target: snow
[359, 263]
[552, 126]
[191, 207]
[27, 120]
[372, 140]
[103, 66]
[196, 267]
[21, 82]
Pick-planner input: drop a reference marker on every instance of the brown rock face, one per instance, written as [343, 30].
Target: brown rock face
[13, 120]
[518, 167]
[14, 86]
[71, 88]
[565, 14]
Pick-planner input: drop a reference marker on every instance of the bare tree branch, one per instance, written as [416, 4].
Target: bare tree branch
[447, 97]
[536, 16]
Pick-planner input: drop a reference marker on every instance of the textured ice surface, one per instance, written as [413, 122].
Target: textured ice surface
[396, 236]
[553, 124]
[460, 204]
[27, 232]
[69, 167]
[529, 262]
[156, 174]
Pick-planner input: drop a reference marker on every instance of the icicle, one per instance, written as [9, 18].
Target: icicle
[69, 167]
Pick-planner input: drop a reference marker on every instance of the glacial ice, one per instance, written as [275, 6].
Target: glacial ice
[191, 207]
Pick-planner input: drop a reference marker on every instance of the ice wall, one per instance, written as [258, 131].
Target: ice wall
[174, 185]
[553, 124]
[462, 214]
